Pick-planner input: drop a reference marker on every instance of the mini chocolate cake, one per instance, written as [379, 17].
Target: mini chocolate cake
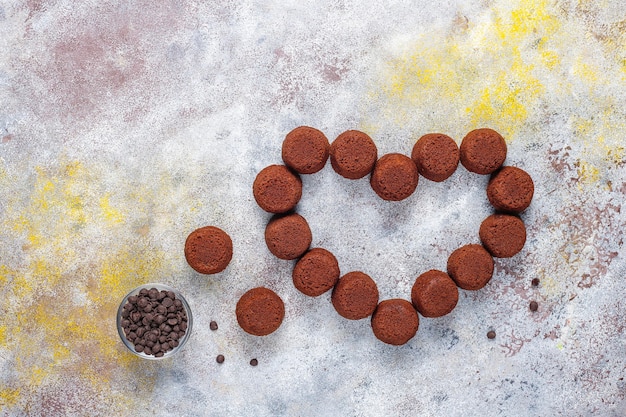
[260, 311]
[394, 177]
[305, 150]
[316, 272]
[353, 154]
[355, 296]
[395, 321]
[208, 250]
[288, 236]
[434, 294]
[503, 235]
[483, 151]
[470, 266]
[510, 190]
[277, 189]
[436, 156]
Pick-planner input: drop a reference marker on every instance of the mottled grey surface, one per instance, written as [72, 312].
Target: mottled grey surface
[126, 125]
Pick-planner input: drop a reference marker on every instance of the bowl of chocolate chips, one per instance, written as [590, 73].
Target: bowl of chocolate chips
[154, 321]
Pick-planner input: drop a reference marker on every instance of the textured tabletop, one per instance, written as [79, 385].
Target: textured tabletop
[124, 126]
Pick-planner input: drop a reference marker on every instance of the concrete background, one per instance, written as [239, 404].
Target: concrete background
[126, 125]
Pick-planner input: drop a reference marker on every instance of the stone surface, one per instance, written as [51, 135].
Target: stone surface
[125, 126]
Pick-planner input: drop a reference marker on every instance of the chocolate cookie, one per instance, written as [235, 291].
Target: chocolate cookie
[470, 266]
[395, 321]
[288, 236]
[434, 294]
[510, 190]
[208, 250]
[260, 311]
[355, 296]
[436, 156]
[277, 189]
[316, 272]
[503, 235]
[483, 151]
[394, 177]
[353, 154]
[305, 150]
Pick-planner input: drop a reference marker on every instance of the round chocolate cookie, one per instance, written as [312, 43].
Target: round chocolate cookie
[434, 294]
[288, 236]
[355, 296]
[260, 311]
[277, 189]
[305, 150]
[483, 151]
[511, 190]
[394, 177]
[316, 272]
[502, 235]
[470, 266]
[353, 154]
[436, 156]
[395, 321]
[208, 250]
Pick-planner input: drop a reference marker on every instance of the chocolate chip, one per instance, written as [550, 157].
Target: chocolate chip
[138, 348]
[491, 334]
[220, 359]
[158, 354]
[147, 350]
[142, 302]
[153, 293]
[254, 362]
[167, 302]
[213, 325]
[172, 322]
[132, 299]
[533, 306]
[535, 282]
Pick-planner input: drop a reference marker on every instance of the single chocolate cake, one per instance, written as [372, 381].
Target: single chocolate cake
[316, 272]
[277, 189]
[208, 250]
[288, 236]
[395, 321]
[355, 296]
[510, 190]
[436, 156]
[503, 235]
[260, 311]
[305, 150]
[353, 154]
[483, 151]
[471, 267]
[394, 177]
[434, 294]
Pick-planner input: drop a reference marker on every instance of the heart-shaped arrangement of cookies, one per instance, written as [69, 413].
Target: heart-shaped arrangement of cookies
[277, 189]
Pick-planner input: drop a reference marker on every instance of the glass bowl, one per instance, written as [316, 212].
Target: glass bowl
[181, 341]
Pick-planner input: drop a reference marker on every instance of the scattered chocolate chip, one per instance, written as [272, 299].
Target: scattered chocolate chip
[254, 362]
[213, 325]
[491, 334]
[535, 282]
[220, 359]
[533, 306]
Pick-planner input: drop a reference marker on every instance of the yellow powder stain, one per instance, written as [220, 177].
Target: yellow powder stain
[587, 173]
[110, 214]
[485, 75]
[9, 396]
[51, 336]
